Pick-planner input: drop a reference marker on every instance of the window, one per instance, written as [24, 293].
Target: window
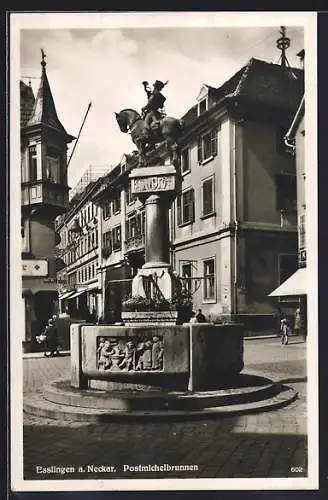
[34, 192]
[32, 163]
[207, 146]
[135, 225]
[129, 196]
[208, 196]
[107, 210]
[116, 236]
[209, 279]
[53, 165]
[185, 165]
[117, 203]
[186, 274]
[286, 192]
[185, 207]
[107, 241]
[202, 106]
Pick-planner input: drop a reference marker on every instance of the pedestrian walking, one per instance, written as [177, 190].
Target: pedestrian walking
[297, 321]
[51, 341]
[284, 329]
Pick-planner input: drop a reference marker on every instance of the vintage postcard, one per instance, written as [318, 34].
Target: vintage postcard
[163, 308]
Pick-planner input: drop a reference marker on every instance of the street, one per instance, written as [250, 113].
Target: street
[268, 444]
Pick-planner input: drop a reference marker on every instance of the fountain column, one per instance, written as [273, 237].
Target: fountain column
[156, 187]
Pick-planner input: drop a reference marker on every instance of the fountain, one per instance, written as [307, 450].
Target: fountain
[150, 365]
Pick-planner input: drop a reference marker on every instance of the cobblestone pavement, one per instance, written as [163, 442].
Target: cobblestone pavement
[268, 444]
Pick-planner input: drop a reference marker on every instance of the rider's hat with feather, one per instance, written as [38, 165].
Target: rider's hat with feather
[158, 85]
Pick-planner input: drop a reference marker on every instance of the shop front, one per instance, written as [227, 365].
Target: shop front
[296, 287]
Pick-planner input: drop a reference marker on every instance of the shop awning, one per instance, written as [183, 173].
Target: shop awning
[66, 295]
[295, 285]
[92, 286]
[77, 293]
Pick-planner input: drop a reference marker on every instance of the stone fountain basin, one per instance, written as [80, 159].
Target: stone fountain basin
[195, 356]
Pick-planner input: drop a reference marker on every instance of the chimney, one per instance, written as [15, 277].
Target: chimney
[301, 55]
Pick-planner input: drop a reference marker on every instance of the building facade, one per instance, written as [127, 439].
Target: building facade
[233, 224]
[296, 133]
[79, 247]
[295, 286]
[44, 195]
[122, 243]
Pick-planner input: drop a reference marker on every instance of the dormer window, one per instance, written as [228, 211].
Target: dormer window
[202, 106]
[202, 100]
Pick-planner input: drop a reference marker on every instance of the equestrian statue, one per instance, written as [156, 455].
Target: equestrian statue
[152, 126]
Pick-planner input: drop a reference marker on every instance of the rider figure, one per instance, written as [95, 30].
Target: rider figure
[155, 102]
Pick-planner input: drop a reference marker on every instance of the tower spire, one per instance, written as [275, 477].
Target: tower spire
[43, 62]
[282, 44]
[44, 110]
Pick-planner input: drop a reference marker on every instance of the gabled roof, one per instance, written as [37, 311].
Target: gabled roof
[26, 103]
[259, 82]
[270, 84]
[44, 110]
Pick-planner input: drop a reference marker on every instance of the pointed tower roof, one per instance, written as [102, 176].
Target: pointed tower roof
[44, 110]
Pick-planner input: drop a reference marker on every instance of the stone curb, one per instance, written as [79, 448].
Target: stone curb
[61, 393]
[38, 406]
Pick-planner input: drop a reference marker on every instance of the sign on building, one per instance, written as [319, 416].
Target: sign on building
[33, 267]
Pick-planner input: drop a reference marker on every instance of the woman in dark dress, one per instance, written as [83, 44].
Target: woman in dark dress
[51, 343]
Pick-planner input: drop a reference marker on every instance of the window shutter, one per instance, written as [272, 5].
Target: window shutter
[179, 214]
[214, 142]
[192, 196]
[199, 150]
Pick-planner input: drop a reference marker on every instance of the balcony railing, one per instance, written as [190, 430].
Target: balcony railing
[135, 243]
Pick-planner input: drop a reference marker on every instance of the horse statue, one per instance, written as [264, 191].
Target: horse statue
[167, 130]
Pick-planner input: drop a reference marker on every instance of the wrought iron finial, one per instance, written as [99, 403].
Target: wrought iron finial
[43, 62]
[282, 44]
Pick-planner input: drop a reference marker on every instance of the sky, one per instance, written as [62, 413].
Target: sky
[107, 66]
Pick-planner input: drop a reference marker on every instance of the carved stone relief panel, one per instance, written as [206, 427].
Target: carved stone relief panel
[130, 354]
